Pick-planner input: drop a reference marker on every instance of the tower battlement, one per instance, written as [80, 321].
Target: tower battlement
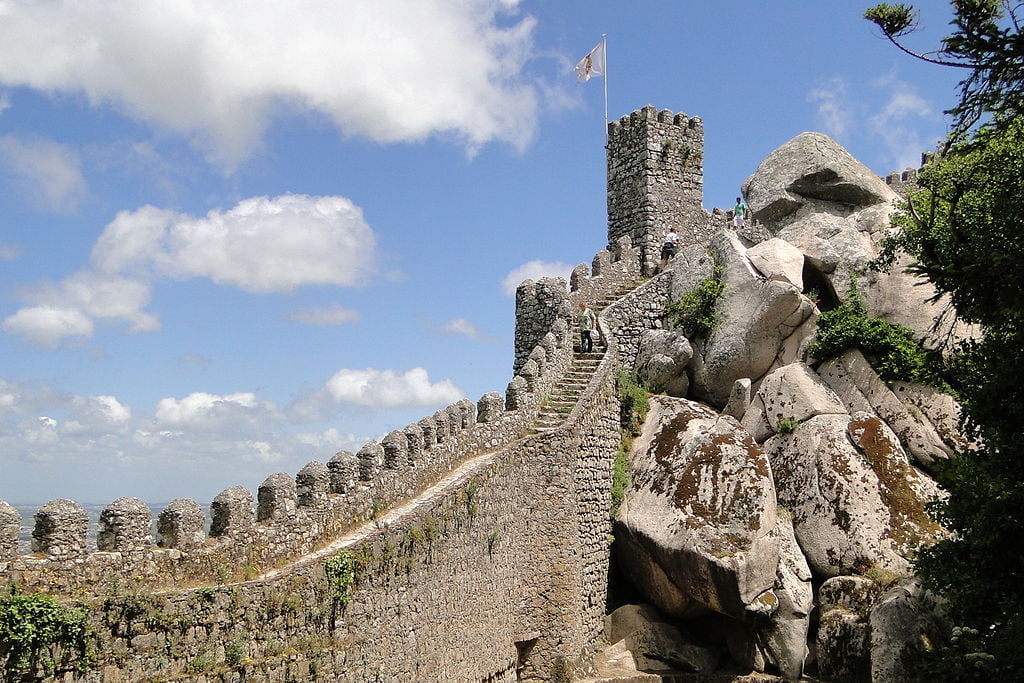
[656, 180]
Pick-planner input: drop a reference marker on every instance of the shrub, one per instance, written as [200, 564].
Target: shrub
[33, 623]
[341, 574]
[694, 311]
[633, 402]
[893, 351]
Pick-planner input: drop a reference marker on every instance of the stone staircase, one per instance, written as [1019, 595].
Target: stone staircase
[566, 393]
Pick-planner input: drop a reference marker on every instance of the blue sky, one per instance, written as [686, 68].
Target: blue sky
[239, 236]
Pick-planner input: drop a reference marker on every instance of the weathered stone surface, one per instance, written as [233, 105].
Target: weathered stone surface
[489, 407]
[231, 512]
[856, 501]
[777, 259]
[10, 530]
[695, 530]
[739, 399]
[371, 459]
[851, 377]
[656, 645]
[785, 637]
[180, 525]
[60, 529]
[312, 484]
[843, 643]
[941, 410]
[692, 264]
[124, 526]
[662, 360]
[755, 316]
[905, 622]
[344, 471]
[808, 167]
[617, 663]
[276, 498]
[792, 394]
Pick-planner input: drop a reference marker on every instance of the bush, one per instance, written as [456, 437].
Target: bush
[34, 623]
[633, 402]
[892, 350]
[694, 311]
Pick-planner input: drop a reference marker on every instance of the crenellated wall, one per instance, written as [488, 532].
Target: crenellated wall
[479, 552]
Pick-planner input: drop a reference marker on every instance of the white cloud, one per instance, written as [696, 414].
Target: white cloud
[900, 121]
[5, 102]
[331, 314]
[96, 415]
[834, 108]
[48, 326]
[391, 70]
[388, 389]
[48, 172]
[201, 410]
[464, 328]
[71, 307]
[534, 270]
[9, 252]
[261, 245]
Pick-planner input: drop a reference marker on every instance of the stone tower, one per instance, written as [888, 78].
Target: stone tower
[656, 181]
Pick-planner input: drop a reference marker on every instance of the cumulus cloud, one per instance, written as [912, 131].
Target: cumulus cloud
[833, 106]
[48, 326]
[200, 410]
[464, 328]
[392, 70]
[324, 316]
[48, 173]
[260, 245]
[69, 309]
[389, 389]
[534, 270]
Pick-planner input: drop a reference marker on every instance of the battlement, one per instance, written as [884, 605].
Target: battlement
[291, 516]
[656, 181]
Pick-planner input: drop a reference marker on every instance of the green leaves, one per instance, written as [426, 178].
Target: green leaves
[694, 311]
[30, 624]
[894, 20]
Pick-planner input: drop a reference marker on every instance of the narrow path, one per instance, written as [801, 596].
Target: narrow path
[553, 414]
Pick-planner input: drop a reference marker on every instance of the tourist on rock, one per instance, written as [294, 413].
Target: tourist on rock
[739, 214]
[668, 249]
[587, 322]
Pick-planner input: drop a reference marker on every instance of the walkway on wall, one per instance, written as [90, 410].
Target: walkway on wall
[553, 414]
[566, 393]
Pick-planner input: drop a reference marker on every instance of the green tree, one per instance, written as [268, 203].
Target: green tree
[965, 232]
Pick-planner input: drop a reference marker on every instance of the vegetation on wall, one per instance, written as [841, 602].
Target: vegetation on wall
[340, 570]
[965, 231]
[39, 634]
[634, 402]
[694, 311]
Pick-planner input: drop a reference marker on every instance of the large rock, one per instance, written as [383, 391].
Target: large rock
[755, 317]
[777, 259]
[906, 622]
[851, 377]
[662, 359]
[789, 395]
[810, 167]
[843, 642]
[655, 644]
[785, 637]
[856, 501]
[813, 194]
[696, 530]
[691, 265]
[941, 410]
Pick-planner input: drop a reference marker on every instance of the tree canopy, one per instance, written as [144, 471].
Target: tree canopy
[965, 231]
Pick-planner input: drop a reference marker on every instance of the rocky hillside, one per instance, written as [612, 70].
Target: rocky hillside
[776, 499]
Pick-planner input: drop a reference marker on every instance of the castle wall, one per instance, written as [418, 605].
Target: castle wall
[656, 181]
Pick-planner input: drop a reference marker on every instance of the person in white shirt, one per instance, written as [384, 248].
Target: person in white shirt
[668, 249]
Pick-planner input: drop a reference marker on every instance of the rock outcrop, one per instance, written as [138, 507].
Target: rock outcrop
[697, 528]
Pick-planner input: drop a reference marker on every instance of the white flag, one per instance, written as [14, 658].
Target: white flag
[591, 65]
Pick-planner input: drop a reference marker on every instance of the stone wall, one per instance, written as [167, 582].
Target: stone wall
[656, 181]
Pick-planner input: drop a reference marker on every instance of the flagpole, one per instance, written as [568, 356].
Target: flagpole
[604, 39]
